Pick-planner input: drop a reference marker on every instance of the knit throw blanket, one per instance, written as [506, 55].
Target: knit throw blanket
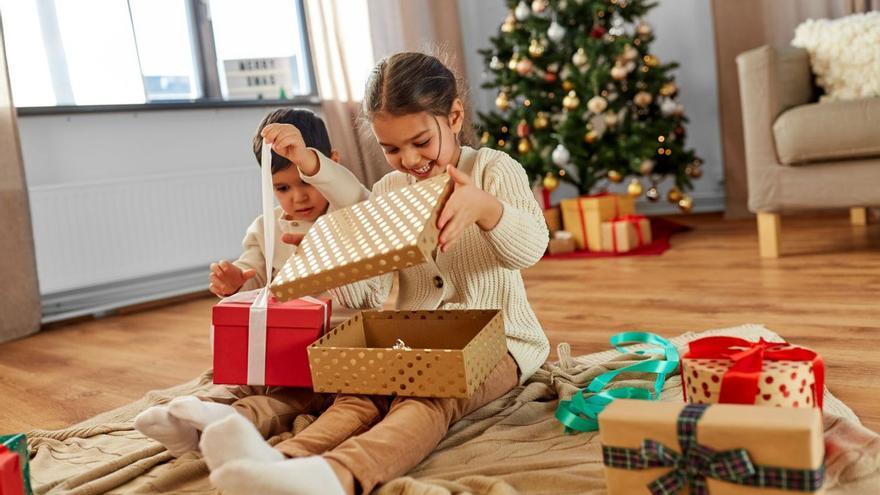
[513, 445]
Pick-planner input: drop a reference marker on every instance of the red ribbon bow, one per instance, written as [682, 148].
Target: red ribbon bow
[739, 385]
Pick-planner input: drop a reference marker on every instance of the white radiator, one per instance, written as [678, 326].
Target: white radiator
[102, 244]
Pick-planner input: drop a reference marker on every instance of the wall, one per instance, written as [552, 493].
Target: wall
[684, 33]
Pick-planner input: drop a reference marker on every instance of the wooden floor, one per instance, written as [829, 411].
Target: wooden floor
[823, 293]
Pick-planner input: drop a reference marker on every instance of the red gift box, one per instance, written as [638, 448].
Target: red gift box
[290, 328]
[11, 482]
[730, 370]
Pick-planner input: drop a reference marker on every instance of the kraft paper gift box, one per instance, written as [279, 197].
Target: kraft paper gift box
[729, 449]
[561, 242]
[583, 216]
[383, 234]
[15, 478]
[623, 234]
[553, 218]
[274, 354]
[447, 353]
[736, 371]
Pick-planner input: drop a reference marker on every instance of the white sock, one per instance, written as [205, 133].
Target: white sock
[232, 438]
[158, 424]
[197, 413]
[301, 476]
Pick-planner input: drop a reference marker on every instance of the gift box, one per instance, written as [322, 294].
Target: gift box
[730, 370]
[15, 477]
[383, 234]
[268, 350]
[583, 216]
[553, 217]
[623, 234]
[561, 242]
[723, 449]
[438, 353]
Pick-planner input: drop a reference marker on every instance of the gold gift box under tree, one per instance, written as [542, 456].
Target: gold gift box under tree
[583, 216]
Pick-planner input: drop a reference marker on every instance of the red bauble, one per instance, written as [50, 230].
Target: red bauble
[550, 77]
[523, 130]
[597, 32]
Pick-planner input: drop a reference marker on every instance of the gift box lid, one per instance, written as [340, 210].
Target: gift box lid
[383, 234]
[601, 200]
[298, 313]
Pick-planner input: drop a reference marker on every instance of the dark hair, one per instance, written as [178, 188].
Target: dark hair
[313, 130]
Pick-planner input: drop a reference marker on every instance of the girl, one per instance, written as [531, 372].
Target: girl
[491, 228]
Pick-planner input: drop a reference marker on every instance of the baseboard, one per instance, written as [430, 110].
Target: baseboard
[102, 299]
[703, 203]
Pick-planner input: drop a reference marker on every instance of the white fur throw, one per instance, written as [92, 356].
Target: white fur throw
[844, 54]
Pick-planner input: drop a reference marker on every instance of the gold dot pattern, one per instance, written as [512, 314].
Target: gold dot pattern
[339, 367]
[383, 234]
[781, 384]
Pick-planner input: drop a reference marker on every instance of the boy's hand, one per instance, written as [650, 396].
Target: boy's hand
[227, 279]
[467, 205]
[287, 141]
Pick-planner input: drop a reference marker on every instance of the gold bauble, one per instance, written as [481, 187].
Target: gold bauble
[634, 188]
[524, 146]
[571, 101]
[502, 102]
[536, 49]
[524, 66]
[651, 60]
[618, 72]
[509, 23]
[668, 89]
[550, 182]
[674, 195]
[611, 119]
[693, 171]
[567, 85]
[541, 121]
[590, 137]
[643, 98]
[513, 61]
[686, 203]
[644, 29]
[646, 167]
[539, 6]
[653, 194]
[615, 176]
[484, 139]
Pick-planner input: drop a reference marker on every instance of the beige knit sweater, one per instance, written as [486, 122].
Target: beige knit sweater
[481, 270]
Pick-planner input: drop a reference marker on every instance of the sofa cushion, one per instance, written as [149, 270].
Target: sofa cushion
[836, 130]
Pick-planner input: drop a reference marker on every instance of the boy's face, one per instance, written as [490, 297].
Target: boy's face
[299, 200]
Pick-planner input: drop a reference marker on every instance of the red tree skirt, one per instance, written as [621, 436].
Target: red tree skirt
[661, 230]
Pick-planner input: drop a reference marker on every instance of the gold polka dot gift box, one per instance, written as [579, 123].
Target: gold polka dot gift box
[730, 370]
[410, 353]
[383, 234]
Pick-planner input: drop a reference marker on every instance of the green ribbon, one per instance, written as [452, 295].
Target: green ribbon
[582, 411]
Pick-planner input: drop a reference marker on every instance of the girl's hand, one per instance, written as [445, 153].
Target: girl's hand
[467, 205]
[292, 239]
[227, 279]
[287, 141]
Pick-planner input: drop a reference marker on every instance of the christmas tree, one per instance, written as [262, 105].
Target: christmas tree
[582, 99]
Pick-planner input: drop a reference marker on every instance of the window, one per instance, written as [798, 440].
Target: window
[111, 52]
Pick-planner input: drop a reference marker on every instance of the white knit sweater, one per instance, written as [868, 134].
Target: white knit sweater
[481, 270]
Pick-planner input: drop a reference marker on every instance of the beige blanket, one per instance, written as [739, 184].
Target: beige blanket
[512, 446]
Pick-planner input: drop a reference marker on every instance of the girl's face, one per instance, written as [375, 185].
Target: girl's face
[299, 200]
[420, 144]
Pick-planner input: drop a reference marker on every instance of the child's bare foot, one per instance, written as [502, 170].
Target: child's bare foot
[197, 413]
[177, 436]
[303, 476]
[233, 438]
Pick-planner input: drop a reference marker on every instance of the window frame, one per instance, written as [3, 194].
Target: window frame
[208, 76]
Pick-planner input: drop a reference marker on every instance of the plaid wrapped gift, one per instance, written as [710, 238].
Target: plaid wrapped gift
[736, 450]
[15, 476]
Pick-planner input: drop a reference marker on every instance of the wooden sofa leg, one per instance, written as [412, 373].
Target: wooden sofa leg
[769, 234]
[858, 216]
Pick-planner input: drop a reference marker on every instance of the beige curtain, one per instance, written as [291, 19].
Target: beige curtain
[741, 25]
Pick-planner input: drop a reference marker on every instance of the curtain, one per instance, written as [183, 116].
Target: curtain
[740, 26]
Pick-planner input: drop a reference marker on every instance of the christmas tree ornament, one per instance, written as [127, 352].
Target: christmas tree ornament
[527, 102]
[496, 63]
[611, 119]
[541, 121]
[571, 101]
[630, 66]
[484, 139]
[673, 195]
[522, 129]
[598, 31]
[668, 106]
[668, 89]
[560, 156]
[630, 53]
[536, 48]
[651, 60]
[550, 182]
[579, 59]
[615, 176]
[524, 66]
[539, 6]
[647, 166]
[653, 194]
[555, 32]
[643, 29]
[522, 11]
[616, 25]
[693, 171]
[550, 77]
[597, 104]
[590, 137]
[634, 188]
[643, 98]
[679, 132]
[509, 24]
[619, 72]
[514, 59]
[524, 146]
[567, 85]
[502, 101]
[686, 203]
